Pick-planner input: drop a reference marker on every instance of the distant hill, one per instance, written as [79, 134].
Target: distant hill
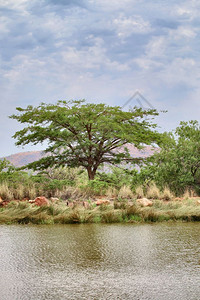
[24, 158]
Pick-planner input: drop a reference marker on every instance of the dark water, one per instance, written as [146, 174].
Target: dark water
[160, 261]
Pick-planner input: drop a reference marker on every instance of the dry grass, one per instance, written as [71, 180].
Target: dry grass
[24, 212]
[73, 193]
[111, 192]
[166, 194]
[5, 192]
[19, 192]
[153, 192]
[186, 195]
[189, 193]
[139, 192]
[32, 192]
[125, 193]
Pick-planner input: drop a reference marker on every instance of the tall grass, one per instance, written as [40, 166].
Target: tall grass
[19, 192]
[153, 192]
[166, 194]
[24, 213]
[139, 192]
[111, 192]
[125, 193]
[189, 193]
[5, 192]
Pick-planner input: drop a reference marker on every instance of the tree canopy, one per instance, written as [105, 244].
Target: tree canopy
[177, 165]
[84, 134]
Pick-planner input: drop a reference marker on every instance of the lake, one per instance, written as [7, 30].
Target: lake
[97, 261]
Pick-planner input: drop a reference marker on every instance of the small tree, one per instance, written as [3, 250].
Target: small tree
[177, 165]
[83, 134]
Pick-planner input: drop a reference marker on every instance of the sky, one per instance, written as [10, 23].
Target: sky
[102, 51]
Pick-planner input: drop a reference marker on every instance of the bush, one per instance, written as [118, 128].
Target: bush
[97, 187]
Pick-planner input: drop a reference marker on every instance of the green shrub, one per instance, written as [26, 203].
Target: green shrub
[97, 187]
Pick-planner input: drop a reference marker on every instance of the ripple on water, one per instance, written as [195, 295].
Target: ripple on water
[158, 261]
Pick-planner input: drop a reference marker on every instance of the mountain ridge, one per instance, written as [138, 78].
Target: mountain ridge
[23, 158]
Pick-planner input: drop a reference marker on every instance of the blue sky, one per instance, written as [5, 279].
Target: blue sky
[102, 51]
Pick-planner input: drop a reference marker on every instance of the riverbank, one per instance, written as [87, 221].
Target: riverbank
[23, 212]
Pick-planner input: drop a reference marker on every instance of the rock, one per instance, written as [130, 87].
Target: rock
[25, 199]
[31, 201]
[41, 201]
[4, 203]
[144, 202]
[100, 202]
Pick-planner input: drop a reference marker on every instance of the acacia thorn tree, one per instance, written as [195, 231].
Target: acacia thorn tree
[84, 134]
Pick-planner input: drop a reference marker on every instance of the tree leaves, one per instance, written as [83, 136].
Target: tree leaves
[84, 134]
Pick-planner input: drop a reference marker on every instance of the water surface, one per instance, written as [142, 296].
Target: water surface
[160, 261]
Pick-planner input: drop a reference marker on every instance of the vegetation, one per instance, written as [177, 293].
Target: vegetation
[81, 138]
[78, 197]
[177, 164]
[59, 213]
[85, 135]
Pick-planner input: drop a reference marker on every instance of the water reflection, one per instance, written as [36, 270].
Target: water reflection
[158, 261]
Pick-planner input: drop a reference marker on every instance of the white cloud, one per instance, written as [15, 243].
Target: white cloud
[94, 57]
[17, 5]
[24, 67]
[188, 10]
[181, 70]
[102, 52]
[183, 32]
[156, 47]
[125, 26]
[113, 4]
[4, 22]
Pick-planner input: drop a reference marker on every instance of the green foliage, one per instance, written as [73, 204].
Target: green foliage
[97, 187]
[119, 177]
[5, 165]
[84, 134]
[18, 184]
[11, 175]
[63, 173]
[177, 165]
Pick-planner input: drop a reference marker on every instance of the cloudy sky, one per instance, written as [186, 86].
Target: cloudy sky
[102, 51]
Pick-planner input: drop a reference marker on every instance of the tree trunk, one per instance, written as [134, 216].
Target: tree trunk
[91, 173]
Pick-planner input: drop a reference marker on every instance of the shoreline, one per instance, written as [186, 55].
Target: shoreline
[23, 212]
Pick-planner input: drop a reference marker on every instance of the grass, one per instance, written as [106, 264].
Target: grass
[167, 194]
[127, 212]
[153, 192]
[139, 192]
[125, 193]
[5, 192]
